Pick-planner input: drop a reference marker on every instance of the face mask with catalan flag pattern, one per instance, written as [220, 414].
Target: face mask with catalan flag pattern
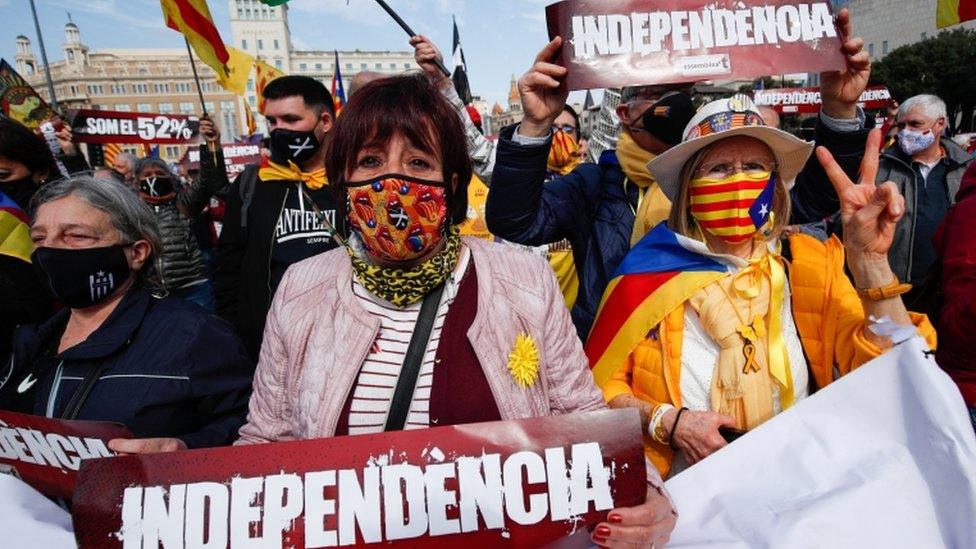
[733, 208]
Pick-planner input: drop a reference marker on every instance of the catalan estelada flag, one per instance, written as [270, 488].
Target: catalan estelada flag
[659, 273]
[952, 12]
[192, 18]
[263, 75]
[15, 240]
[338, 90]
[734, 208]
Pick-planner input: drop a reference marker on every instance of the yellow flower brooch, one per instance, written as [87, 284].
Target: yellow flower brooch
[523, 361]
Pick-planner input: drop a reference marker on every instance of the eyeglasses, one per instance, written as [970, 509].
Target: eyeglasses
[722, 170]
[566, 128]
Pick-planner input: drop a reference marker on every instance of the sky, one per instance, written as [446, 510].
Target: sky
[500, 37]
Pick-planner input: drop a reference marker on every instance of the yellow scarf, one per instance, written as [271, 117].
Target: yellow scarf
[652, 206]
[314, 179]
[742, 386]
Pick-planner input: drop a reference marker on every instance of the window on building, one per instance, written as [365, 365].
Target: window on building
[209, 106]
[73, 89]
[303, 66]
[925, 35]
[186, 108]
[253, 101]
[362, 66]
[871, 49]
[884, 48]
[348, 66]
[318, 66]
[276, 44]
[243, 43]
[278, 64]
[226, 105]
[250, 85]
[392, 66]
[165, 108]
[172, 151]
[144, 107]
[70, 55]
[123, 107]
[406, 65]
[260, 44]
[161, 87]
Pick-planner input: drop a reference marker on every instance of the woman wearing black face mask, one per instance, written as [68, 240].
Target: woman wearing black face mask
[181, 269]
[25, 163]
[176, 376]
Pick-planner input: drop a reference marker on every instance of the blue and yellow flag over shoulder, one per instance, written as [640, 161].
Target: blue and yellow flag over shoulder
[659, 274]
[15, 238]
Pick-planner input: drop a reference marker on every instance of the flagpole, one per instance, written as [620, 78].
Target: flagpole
[196, 77]
[47, 66]
[403, 25]
[203, 104]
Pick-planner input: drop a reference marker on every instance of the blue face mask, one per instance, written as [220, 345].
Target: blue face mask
[912, 141]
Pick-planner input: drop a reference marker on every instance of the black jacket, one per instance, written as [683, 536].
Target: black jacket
[243, 282]
[169, 370]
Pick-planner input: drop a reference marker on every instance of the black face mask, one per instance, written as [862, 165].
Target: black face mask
[293, 145]
[666, 119]
[156, 186]
[80, 278]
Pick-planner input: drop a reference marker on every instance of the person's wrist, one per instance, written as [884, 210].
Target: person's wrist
[839, 110]
[534, 128]
[870, 270]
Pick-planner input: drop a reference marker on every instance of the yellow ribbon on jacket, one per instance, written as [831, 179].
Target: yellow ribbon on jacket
[653, 206]
[770, 266]
[314, 179]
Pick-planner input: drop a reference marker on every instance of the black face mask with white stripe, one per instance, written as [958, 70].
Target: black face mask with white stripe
[82, 277]
[296, 146]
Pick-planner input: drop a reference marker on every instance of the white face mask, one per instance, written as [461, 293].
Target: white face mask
[912, 141]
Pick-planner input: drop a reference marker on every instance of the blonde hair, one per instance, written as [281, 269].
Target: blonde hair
[681, 221]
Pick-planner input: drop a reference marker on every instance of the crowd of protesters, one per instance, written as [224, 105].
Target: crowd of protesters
[343, 247]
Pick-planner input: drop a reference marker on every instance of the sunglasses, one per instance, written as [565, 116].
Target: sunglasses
[566, 128]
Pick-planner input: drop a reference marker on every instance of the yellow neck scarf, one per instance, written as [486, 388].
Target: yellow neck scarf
[738, 310]
[563, 154]
[314, 179]
[652, 206]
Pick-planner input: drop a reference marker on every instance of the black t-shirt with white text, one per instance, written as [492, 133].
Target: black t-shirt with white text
[299, 234]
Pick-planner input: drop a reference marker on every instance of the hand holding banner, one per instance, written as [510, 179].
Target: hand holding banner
[523, 483]
[609, 43]
[46, 453]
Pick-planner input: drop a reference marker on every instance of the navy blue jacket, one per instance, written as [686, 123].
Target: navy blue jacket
[171, 370]
[592, 207]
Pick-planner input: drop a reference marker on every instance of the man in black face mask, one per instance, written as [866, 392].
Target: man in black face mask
[280, 212]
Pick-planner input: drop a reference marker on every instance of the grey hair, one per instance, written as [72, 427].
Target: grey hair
[148, 161]
[931, 105]
[130, 158]
[126, 211]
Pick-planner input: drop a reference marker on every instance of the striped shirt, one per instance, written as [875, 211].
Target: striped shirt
[378, 376]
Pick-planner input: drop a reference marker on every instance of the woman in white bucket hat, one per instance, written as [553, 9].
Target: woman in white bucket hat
[737, 333]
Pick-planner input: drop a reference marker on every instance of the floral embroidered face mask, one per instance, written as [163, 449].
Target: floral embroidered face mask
[398, 217]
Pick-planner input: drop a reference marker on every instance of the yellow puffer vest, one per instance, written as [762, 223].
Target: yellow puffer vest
[829, 319]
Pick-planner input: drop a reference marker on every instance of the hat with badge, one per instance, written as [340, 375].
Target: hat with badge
[722, 119]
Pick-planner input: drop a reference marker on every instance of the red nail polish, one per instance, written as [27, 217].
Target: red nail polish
[615, 518]
[602, 531]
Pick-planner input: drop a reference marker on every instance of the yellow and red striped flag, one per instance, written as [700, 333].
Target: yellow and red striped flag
[252, 125]
[263, 75]
[953, 12]
[110, 151]
[192, 18]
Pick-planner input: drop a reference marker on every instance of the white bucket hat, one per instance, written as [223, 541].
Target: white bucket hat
[721, 119]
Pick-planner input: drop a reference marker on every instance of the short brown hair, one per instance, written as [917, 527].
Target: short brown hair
[409, 106]
[681, 221]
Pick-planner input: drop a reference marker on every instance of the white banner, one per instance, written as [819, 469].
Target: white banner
[885, 457]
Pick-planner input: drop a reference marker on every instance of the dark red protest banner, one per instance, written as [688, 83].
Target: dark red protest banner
[613, 43]
[46, 453]
[91, 126]
[521, 483]
[807, 100]
[236, 158]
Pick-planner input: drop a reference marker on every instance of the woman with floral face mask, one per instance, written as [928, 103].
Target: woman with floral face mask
[410, 325]
[727, 333]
